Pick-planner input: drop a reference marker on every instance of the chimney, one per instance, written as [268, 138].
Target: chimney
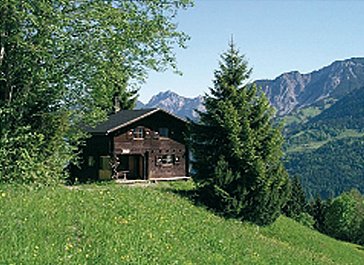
[116, 103]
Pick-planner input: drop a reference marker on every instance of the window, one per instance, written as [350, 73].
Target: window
[164, 132]
[91, 161]
[165, 160]
[105, 162]
[138, 133]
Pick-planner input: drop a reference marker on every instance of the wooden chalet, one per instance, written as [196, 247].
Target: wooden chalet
[146, 144]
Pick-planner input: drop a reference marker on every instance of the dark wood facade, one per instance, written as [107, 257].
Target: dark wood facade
[146, 146]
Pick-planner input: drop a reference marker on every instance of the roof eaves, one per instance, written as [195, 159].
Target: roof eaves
[131, 121]
[98, 133]
[173, 115]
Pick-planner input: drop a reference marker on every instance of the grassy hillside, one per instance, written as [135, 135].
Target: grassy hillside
[109, 224]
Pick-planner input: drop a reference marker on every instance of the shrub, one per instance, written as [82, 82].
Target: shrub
[24, 160]
[305, 219]
[344, 217]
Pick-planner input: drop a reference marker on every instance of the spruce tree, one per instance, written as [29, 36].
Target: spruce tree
[236, 147]
[297, 202]
[317, 209]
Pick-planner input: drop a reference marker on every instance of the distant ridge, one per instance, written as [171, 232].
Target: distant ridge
[288, 92]
[174, 103]
[293, 90]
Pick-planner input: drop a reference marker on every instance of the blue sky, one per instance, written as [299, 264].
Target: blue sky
[275, 36]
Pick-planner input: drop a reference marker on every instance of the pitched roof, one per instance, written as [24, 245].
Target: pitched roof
[124, 118]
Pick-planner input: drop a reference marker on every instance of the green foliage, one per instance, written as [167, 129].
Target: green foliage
[297, 207]
[306, 137]
[305, 219]
[32, 155]
[327, 150]
[317, 209]
[299, 117]
[344, 217]
[331, 169]
[61, 63]
[28, 160]
[128, 38]
[32, 118]
[297, 203]
[347, 113]
[237, 147]
[109, 224]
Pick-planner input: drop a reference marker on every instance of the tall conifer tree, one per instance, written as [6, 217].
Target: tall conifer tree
[237, 147]
[297, 202]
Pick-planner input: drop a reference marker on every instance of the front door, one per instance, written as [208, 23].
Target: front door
[131, 166]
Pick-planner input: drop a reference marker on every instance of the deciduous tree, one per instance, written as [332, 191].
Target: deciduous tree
[62, 61]
[344, 217]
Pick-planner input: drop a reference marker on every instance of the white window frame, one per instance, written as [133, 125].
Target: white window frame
[138, 133]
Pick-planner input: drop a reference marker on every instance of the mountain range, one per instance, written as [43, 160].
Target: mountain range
[288, 93]
[181, 106]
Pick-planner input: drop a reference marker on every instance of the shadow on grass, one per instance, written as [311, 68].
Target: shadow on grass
[189, 194]
[207, 199]
[194, 196]
[86, 181]
[361, 248]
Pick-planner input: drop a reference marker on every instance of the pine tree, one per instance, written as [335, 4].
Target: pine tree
[317, 209]
[297, 202]
[236, 147]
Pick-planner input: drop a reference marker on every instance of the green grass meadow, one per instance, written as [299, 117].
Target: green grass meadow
[111, 224]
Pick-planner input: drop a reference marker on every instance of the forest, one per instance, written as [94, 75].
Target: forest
[326, 150]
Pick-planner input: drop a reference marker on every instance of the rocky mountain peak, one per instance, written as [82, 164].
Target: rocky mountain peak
[164, 95]
[293, 90]
[174, 103]
[288, 92]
